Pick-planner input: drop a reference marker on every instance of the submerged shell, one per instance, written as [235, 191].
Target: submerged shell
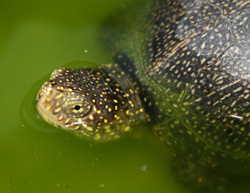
[191, 61]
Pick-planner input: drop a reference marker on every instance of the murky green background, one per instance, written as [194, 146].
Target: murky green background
[35, 38]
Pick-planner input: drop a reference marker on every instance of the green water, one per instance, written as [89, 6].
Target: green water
[35, 38]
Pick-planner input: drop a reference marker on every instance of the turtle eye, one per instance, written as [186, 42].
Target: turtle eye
[78, 108]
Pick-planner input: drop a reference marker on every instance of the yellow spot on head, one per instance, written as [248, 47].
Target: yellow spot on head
[89, 128]
[57, 110]
[77, 127]
[48, 99]
[48, 107]
[59, 96]
[66, 121]
[60, 118]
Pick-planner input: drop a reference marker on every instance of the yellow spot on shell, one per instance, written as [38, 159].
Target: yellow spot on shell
[91, 117]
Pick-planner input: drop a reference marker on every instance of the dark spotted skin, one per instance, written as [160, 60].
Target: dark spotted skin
[91, 82]
[99, 104]
[189, 62]
[202, 58]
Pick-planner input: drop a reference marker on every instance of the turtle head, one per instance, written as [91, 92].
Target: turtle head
[98, 103]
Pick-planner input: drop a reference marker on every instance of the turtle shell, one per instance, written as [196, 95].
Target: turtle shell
[191, 61]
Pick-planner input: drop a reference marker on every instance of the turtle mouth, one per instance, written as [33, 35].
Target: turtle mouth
[46, 115]
[43, 107]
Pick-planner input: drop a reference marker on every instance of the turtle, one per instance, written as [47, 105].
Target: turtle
[182, 66]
